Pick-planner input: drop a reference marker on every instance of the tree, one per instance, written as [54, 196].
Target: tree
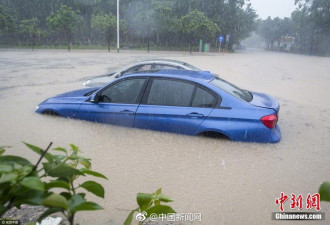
[320, 17]
[164, 18]
[148, 21]
[140, 18]
[7, 23]
[31, 30]
[301, 27]
[265, 31]
[195, 25]
[123, 29]
[272, 30]
[311, 23]
[237, 21]
[106, 25]
[65, 21]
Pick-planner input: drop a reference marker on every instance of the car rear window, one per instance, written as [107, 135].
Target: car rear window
[203, 99]
[170, 92]
[232, 89]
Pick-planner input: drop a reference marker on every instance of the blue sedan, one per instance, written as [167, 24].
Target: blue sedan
[179, 101]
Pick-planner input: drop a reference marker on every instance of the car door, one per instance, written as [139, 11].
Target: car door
[115, 104]
[170, 105]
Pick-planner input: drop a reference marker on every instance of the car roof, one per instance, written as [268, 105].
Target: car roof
[162, 60]
[165, 61]
[158, 61]
[150, 61]
[204, 76]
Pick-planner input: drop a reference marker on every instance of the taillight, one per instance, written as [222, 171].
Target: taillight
[269, 121]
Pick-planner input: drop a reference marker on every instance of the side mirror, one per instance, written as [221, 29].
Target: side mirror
[94, 98]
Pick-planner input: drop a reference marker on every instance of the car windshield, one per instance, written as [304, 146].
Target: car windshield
[232, 89]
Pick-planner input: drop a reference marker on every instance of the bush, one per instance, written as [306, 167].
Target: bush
[23, 183]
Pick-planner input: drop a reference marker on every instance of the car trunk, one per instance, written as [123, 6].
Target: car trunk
[265, 101]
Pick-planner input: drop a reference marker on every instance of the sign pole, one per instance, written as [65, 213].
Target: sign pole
[118, 26]
[220, 39]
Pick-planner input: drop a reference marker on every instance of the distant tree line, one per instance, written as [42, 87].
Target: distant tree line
[160, 23]
[309, 25]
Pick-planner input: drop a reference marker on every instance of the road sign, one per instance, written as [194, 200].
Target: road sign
[220, 39]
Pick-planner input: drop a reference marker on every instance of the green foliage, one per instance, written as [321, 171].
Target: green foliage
[7, 23]
[25, 183]
[195, 25]
[272, 30]
[164, 17]
[65, 21]
[85, 22]
[309, 25]
[17, 178]
[22, 183]
[150, 204]
[141, 18]
[106, 25]
[67, 168]
[28, 26]
[2, 150]
[324, 191]
[30, 30]
[237, 20]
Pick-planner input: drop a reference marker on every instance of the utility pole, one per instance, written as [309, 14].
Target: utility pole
[118, 26]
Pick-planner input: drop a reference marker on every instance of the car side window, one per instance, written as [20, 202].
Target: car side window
[131, 70]
[126, 91]
[137, 69]
[145, 67]
[170, 92]
[165, 67]
[203, 99]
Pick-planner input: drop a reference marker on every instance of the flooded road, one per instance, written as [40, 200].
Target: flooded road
[227, 182]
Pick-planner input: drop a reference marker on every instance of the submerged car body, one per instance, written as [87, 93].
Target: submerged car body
[151, 64]
[179, 101]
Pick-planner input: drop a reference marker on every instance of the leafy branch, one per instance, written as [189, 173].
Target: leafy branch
[150, 204]
[21, 182]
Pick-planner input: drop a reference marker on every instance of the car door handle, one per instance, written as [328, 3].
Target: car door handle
[194, 114]
[128, 112]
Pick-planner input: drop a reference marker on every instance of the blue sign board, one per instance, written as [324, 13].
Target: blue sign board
[220, 38]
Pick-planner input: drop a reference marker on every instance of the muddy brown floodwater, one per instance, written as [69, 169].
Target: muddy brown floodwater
[227, 182]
